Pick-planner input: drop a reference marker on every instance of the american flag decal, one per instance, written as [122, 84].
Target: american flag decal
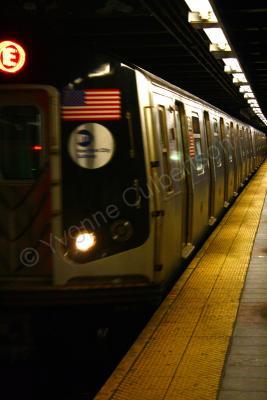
[191, 145]
[91, 104]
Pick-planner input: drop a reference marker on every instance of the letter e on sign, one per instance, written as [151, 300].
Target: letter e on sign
[12, 57]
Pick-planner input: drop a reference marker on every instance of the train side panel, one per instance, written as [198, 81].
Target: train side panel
[197, 167]
[217, 169]
[167, 178]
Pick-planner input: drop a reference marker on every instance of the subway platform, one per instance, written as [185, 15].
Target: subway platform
[208, 338]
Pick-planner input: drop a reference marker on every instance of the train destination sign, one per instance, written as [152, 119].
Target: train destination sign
[12, 56]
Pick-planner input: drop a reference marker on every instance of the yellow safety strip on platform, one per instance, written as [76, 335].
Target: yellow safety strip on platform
[180, 354]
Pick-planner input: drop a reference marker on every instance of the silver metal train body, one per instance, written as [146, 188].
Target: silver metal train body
[112, 183]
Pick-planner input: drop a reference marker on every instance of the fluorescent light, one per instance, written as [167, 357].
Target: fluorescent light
[231, 65]
[252, 101]
[232, 62]
[202, 6]
[216, 36]
[202, 10]
[239, 78]
[245, 88]
[249, 96]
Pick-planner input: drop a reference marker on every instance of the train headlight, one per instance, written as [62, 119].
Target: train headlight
[85, 241]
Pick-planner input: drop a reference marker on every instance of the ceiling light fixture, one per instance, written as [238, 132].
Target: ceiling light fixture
[202, 16]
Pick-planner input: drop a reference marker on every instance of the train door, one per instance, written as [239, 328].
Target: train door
[243, 154]
[238, 146]
[170, 184]
[251, 150]
[228, 160]
[250, 168]
[235, 157]
[216, 166]
[257, 148]
[254, 149]
[247, 153]
[197, 167]
[28, 131]
[187, 247]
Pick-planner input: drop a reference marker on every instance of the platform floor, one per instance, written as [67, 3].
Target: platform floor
[245, 371]
[181, 353]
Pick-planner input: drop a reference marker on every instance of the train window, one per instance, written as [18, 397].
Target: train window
[175, 144]
[178, 130]
[165, 147]
[21, 147]
[195, 124]
[198, 148]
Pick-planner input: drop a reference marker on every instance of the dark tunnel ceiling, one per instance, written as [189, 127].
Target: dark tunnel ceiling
[155, 35]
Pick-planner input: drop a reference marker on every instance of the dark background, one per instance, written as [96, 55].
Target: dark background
[62, 38]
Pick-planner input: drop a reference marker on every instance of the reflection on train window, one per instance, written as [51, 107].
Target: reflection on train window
[229, 144]
[175, 151]
[198, 156]
[216, 145]
[247, 142]
[21, 147]
[165, 148]
[198, 148]
[242, 142]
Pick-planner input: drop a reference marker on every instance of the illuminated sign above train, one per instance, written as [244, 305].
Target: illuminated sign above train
[12, 57]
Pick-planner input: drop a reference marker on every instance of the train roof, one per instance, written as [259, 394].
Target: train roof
[184, 93]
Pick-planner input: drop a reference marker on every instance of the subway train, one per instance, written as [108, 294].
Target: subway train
[109, 182]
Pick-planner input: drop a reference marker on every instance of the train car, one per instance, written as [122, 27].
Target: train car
[109, 182]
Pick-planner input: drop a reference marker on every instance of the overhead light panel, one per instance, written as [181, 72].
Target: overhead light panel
[217, 38]
[231, 65]
[201, 6]
[249, 96]
[202, 16]
[239, 78]
[252, 101]
[245, 88]
[253, 105]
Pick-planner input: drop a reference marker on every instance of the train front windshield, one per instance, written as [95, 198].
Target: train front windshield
[20, 142]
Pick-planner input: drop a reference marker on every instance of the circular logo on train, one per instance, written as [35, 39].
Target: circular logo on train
[91, 146]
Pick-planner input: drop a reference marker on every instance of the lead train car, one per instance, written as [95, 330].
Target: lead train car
[111, 183]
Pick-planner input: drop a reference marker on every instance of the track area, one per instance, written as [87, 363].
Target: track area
[180, 354]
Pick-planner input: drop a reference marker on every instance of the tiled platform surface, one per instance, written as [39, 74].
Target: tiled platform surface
[245, 372]
[180, 354]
